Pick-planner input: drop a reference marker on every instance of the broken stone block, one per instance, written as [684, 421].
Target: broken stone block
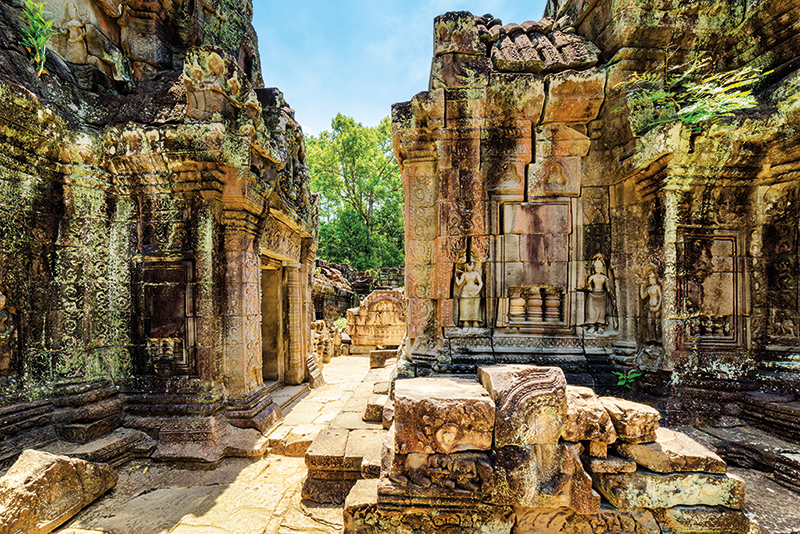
[114, 449]
[299, 440]
[612, 464]
[363, 497]
[388, 414]
[587, 419]
[442, 415]
[531, 403]
[457, 479]
[609, 520]
[374, 409]
[574, 97]
[361, 445]
[377, 358]
[672, 452]
[632, 420]
[702, 520]
[42, 491]
[627, 491]
[544, 476]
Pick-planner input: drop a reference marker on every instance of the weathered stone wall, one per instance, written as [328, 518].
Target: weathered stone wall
[546, 222]
[146, 182]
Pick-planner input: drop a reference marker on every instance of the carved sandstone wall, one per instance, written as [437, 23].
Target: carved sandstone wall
[544, 223]
[152, 193]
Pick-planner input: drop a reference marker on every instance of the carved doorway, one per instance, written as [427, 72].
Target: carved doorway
[274, 320]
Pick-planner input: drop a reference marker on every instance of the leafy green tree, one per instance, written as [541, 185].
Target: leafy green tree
[361, 196]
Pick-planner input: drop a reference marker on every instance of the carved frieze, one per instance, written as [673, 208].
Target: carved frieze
[279, 240]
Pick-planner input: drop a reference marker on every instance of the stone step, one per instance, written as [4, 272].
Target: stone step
[753, 448]
[286, 395]
[776, 413]
[337, 458]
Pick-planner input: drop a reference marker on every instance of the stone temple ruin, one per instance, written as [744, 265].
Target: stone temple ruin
[158, 233]
[545, 223]
[157, 263]
[507, 455]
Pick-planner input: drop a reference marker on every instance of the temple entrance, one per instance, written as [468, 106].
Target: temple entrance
[274, 317]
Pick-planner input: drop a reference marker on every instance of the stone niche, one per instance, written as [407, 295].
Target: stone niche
[379, 321]
[158, 232]
[549, 221]
[520, 451]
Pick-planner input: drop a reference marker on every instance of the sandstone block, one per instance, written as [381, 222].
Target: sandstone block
[530, 400]
[627, 491]
[388, 414]
[544, 476]
[671, 452]
[363, 496]
[42, 490]
[631, 420]
[550, 521]
[612, 464]
[374, 409]
[377, 358]
[574, 96]
[587, 419]
[442, 415]
[327, 450]
[363, 444]
[456, 31]
[609, 520]
[702, 520]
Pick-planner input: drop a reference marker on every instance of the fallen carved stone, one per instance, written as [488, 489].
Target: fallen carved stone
[42, 491]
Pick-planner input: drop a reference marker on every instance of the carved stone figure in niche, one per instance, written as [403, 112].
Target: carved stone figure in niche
[469, 284]
[652, 296]
[600, 298]
[7, 334]
[75, 30]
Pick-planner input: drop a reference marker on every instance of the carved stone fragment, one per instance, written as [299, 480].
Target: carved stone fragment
[547, 476]
[442, 415]
[42, 491]
[587, 419]
[531, 403]
[632, 420]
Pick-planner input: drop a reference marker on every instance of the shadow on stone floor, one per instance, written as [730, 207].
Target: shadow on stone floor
[240, 496]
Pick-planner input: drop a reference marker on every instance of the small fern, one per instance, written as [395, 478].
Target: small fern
[691, 96]
[36, 32]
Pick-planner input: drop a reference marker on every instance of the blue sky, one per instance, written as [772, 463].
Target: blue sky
[357, 57]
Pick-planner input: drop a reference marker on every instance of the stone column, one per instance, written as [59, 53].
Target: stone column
[295, 367]
[242, 314]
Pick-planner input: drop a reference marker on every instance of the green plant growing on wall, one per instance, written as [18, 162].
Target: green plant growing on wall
[340, 323]
[627, 378]
[691, 94]
[36, 32]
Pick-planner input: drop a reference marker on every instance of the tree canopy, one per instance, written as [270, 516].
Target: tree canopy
[361, 197]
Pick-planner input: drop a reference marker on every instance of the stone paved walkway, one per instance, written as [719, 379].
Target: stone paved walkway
[241, 496]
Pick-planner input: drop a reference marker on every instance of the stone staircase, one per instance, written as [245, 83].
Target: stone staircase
[350, 448]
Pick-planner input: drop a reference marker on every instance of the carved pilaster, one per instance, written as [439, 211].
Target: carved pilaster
[295, 371]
